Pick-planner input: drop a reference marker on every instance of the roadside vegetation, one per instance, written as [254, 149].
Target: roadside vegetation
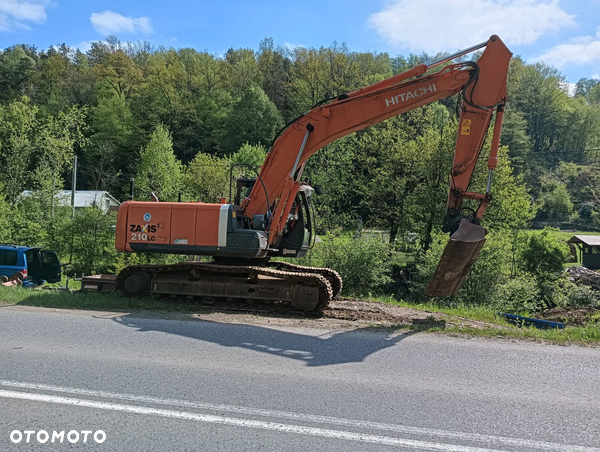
[179, 119]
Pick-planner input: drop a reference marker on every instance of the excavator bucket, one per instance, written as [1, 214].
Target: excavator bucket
[458, 257]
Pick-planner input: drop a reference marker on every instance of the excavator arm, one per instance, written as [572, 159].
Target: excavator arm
[483, 85]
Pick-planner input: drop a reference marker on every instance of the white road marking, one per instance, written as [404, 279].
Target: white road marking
[491, 440]
[248, 423]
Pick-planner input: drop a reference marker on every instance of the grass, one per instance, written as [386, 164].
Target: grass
[95, 301]
[586, 335]
[74, 285]
[566, 235]
[480, 313]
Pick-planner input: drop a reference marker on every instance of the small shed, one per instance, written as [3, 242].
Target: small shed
[589, 250]
[84, 198]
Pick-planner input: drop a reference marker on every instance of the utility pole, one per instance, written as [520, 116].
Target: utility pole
[74, 185]
[52, 200]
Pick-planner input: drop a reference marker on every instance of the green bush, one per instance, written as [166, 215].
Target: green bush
[93, 241]
[424, 265]
[542, 254]
[582, 296]
[554, 290]
[363, 263]
[555, 201]
[515, 273]
[491, 269]
[518, 294]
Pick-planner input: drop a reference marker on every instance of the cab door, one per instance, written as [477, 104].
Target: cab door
[50, 266]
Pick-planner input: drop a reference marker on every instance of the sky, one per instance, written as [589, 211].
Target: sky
[563, 33]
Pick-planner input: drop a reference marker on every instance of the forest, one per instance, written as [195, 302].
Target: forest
[176, 119]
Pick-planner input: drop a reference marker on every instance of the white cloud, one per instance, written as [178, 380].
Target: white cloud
[84, 46]
[18, 13]
[446, 25]
[108, 22]
[577, 51]
[569, 88]
[291, 46]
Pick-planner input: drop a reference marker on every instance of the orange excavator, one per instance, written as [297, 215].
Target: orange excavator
[275, 218]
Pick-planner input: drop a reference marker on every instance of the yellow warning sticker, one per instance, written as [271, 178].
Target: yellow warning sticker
[465, 128]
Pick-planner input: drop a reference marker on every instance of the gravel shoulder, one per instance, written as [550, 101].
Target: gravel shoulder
[340, 314]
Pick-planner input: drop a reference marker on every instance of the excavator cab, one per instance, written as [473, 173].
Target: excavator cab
[298, 233]
[243, 187]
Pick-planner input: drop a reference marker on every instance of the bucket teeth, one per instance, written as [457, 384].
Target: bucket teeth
[458, 257]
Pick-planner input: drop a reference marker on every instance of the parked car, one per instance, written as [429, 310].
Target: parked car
[36, 265]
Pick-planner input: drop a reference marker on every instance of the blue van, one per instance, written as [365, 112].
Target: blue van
[36, 265]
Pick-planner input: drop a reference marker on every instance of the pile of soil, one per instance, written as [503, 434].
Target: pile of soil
[570, 316]
[584, 276]
[375, 312]
[340, 313]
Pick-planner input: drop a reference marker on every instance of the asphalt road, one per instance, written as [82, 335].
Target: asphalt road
[168, 385]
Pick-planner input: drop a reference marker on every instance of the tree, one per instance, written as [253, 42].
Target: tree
[93, 241]
[59, 138]
[119, 74]
[6, 217]
[275, 69]
[511, 204]
[16, 69]
[543, 254]
[426, 204]
[18, 128]
[254, 119]
[243, 71]
[336, 170]
[536, 91]
[159, 170]
[206, 178]
[186, 91]
[555, 201]
[593, 96]
[35, 152]
[309, 75]
[389, 161]
[248, 154]
[584, 85]
[515, 138]
[112, 142]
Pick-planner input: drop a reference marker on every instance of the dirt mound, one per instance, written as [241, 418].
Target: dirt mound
[585, 276]
[375, 312]
[372, 311]
[340, 313]
[570, 316]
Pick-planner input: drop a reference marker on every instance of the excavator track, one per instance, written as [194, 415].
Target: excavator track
[332, 276]
[212, 282]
